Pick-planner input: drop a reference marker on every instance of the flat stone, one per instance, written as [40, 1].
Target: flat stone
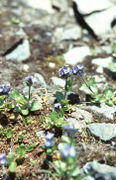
[20, 53]
[102, 130]
[71, 32]
[92, 5]
[60, 4]
[77, 55]
[39, 80]
[102, 63]
[106, 111]
[79, 118]
[43, 5]
[98, 171]
[58, 81]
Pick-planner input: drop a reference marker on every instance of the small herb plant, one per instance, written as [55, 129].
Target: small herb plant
[18, 102]
[65, 72]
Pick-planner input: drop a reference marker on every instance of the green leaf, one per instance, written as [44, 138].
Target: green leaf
[76, 172]
[21, 150]
[66, 139]
[64, 101]
[109, 93]
[9, 133]
[114, 48]
[12, 167]
[59, 96]
[15, 95]
[25, 111]
[10, 158]
[99, 98]
[27, 120]
[112, 67]
[35, 105]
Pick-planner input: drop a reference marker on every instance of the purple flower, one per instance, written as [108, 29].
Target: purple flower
[29, 80]
[3, 159]
[57, 106]
[49, 140]
[65, 71]
[4, 90]
[78, 69]
[66, 151]
[70, 129]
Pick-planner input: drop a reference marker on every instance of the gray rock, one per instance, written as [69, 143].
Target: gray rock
[77, 55]
[92, 5]
[60, 4]
[102, 130]
[99, 171]
[58, 81]
[20, 53]
[79, 118]
[102, 62]
[39, 80]
[71, 32]
[40, 134]
[43, 5]
[104, 110]
[103, 21]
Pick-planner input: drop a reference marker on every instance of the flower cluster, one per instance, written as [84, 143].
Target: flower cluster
[4, 90]
[29, 80]
[66, 151]
[3, 159]
[70, 129]
[65, 71]
[78, 69]
[49, 140]
[57, 106]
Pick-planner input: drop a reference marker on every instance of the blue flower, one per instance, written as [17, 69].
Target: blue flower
[65, 71]
[70, 129]
[29, 80]
[49, 140]
[4, 90]
[78, 69]
[66, 151]
[3, 159]
[57, 106]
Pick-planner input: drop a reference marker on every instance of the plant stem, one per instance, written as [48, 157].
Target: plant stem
[65, 88]
[86, 84]
[29, 92]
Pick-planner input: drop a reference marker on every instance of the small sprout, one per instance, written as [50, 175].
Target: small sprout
[67, 151]
[57, 106]
[4, 90]
[65, 71]
[78, 69]
[3, 159]
[70, 129]
[29, 80]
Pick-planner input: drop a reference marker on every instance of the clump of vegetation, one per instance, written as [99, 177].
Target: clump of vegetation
[59, 149]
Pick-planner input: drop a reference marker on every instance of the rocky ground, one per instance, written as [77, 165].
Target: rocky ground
[37, 37]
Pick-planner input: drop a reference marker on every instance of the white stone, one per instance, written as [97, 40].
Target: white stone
[92, 5]
[105, 131]
[58, 81]
[102, 62]
[77, 55]
[71, 32]
[39, 79]
[52, 65]
[26, 68]
[104, 110]
[20, 53]
[40, 4]
[101, 22]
